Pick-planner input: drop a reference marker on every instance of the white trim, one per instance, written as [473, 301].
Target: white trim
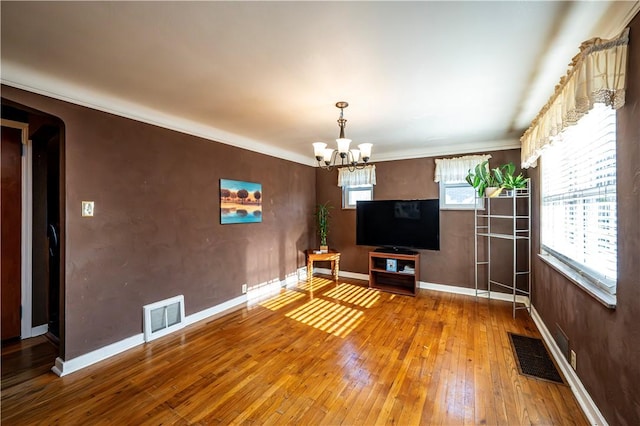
[594, 416]
[26, 297]
[348, 189]
[292, 278]
[353, 275]
[24, 78]
[436, 287]
[467, 291]
[62, 368]
[575, 277]
[39, 330]
[345, 274]
[215, 310]
[478, 202]
[617, 18]
[449, 149]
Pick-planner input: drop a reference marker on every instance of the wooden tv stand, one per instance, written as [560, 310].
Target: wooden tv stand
[403, 279]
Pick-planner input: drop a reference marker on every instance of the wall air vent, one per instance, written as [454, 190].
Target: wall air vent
[562, 341]
[163, 317]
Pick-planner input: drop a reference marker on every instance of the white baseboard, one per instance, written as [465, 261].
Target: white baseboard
[39, 330]
[472, 292]
[62, 368]
[215, 310]
[436, 287]
[594, 416]
[345, 274]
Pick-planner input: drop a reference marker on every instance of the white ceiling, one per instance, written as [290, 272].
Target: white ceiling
[421, 78]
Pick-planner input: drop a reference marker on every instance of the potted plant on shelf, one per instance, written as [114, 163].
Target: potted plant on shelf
[491, 182]
[484, 181]
[322, 216]
[504, 176]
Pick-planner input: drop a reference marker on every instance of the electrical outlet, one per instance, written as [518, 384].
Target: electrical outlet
[573, 359]
[244, 288]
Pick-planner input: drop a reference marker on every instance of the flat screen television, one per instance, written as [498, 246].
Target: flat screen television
[399, 224]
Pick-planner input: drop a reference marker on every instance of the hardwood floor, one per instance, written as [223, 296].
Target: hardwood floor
[26, 359]
[321, 353]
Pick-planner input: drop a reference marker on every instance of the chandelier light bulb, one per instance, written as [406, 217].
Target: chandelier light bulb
[318, 150]
[343, 145]
[365, 151]
[355, 155]
[327, 154]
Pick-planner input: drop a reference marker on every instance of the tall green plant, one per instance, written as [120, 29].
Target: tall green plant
[481, 178]
[322, 217]
[502, 176]
[505, 178]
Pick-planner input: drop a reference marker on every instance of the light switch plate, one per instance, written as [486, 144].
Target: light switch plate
[87, 208]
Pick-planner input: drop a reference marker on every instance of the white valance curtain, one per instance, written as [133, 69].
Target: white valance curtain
[365, 176]
[456, 169]
[596, 75]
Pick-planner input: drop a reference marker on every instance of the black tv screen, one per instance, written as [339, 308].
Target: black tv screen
[398, 224]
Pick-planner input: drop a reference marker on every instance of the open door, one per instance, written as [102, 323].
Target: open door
[11, 230]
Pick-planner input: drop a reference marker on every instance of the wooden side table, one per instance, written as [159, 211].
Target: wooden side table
[333, 257]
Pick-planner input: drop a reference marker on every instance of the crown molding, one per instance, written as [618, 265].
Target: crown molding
[616, 18]
[32, 81]
[26, 79]
[449, 149]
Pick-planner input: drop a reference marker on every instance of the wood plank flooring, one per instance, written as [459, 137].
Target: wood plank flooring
[26, 359]
[322, 353]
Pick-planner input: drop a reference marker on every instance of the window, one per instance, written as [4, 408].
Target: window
[578, 198]
[357, 185]
[455, 192]
[459, 196]
[351, 194]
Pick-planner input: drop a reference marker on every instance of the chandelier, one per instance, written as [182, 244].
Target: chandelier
[329, 158]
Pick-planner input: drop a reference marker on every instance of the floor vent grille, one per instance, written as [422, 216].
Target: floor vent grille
[163, 317]
[533, 359]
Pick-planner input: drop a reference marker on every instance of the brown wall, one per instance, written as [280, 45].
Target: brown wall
[156, 232]
[606, 341]
[409, 179]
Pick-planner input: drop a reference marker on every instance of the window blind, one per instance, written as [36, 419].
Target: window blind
[578, 208]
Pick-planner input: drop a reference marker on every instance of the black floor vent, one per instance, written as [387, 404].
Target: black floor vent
[533, 359]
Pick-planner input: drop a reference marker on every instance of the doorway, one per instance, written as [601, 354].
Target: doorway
[38, 216]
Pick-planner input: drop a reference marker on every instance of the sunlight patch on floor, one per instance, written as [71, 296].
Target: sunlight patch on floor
[327, 316]
[286, 297]
[315, 283]
[354, 294]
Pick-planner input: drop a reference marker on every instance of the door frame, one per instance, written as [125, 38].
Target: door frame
[26, 273]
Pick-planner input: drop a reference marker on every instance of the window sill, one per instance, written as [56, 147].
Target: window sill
[454, 207]
[597, 293]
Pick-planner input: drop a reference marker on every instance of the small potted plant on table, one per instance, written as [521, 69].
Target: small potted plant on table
[322, 217]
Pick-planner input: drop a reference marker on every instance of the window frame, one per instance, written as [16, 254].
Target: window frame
[477, 205]
[594, 282]
[347, 189]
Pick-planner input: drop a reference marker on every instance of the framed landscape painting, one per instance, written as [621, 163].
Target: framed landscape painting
[240, 202]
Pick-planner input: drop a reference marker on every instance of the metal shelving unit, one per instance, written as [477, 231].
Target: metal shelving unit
[505, 217]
